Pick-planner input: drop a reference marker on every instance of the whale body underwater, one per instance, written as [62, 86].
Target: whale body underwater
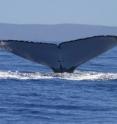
[63, 57]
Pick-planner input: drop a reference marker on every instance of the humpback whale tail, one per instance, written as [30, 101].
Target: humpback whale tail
[64, 57]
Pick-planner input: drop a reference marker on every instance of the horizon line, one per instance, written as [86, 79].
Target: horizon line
[57, 24]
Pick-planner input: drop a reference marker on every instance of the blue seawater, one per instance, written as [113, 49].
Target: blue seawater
[33, 94]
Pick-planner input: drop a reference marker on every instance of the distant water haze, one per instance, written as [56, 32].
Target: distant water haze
[52, 33]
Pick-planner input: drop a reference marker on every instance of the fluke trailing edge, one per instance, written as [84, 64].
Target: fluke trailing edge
[64, 57]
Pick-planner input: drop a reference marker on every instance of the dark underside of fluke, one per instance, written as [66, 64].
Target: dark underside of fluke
[62, 69]
[66, 56]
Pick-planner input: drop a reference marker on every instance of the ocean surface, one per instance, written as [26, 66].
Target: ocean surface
[33, 94]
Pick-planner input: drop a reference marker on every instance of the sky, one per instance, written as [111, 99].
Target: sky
[94, 12]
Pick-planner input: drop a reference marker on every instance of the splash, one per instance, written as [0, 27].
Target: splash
[78, 75]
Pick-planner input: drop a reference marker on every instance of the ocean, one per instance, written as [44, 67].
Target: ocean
[32, 94]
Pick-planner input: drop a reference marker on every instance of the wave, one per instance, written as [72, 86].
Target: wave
[78, 75]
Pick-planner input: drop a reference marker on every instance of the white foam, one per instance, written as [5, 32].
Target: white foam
[78, 75]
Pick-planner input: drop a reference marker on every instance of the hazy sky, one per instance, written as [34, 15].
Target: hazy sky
[96, 12]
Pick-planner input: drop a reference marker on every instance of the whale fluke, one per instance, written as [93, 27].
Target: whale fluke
[63, 57]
